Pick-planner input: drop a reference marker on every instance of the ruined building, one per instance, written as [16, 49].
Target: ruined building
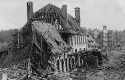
[51, 31]
[68, 27]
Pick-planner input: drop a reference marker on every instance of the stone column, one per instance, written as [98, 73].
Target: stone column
[73, 60]
[82, 62]
[71, 63]
[60, 65]
[81, 40]
[73, 40]
[64, 64]
[79, 63]
[67, 64]
[77, 40]
[29, 68]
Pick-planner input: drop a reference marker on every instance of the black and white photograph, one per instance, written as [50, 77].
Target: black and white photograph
[62, 39]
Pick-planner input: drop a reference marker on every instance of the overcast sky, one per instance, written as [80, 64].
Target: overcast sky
[94, 13]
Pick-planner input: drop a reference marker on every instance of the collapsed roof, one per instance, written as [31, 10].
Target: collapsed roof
[47, 14]
[50, 13]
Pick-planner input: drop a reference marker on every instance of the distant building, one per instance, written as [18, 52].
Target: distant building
[96, 33]
[117, 39]
[110, 38]
[105, 38]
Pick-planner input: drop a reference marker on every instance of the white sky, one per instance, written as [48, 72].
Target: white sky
[94, 13]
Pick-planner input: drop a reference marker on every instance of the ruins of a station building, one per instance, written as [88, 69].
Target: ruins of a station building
[51, 27]
[67, 25]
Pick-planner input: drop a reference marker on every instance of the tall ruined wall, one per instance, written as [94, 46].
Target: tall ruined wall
[52, 36]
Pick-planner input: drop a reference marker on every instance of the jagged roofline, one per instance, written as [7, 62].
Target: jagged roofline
[50, 8]
[44, 14]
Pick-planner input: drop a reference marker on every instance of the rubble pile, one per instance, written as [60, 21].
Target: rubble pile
[32, 47]
[12, 74]
[52, 36]
[116, 61]
[104, 75]
[39, 44]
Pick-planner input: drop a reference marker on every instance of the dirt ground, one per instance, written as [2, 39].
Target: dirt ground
[113, 69]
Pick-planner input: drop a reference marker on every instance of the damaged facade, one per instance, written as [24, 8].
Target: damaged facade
[51, 31]
[69, 29]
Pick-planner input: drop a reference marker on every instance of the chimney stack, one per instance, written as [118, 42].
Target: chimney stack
[29, 10]
[64, 10]
[77, 15]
